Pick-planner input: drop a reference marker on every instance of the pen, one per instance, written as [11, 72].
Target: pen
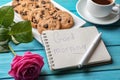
[89, 51]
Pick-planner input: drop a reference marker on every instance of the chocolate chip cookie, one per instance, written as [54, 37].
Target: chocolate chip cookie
[46, 4]
[16, 2]
[54, 10]
[48, 24]
[37, 16]
[24, 8]
[65, 19]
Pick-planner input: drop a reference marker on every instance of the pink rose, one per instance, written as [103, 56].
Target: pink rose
[26, 67]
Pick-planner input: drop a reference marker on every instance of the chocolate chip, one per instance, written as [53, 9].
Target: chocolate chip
[44, 6]
[23, 13]
[47, 9]
[57, 8]
[19, 4]
[68, 21]
[16, 11]
[51, 13]
[60, 19]
[54, 17]
[42, 12]
[55, 11]
[41, 16]
[37, 6]
[45, 26]
[43, 2]
[34, 20]
[36, 26]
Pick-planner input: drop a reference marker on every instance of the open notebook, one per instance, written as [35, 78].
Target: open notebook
[65, 48]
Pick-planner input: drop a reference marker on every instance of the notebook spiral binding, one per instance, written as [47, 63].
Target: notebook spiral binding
[47, 47]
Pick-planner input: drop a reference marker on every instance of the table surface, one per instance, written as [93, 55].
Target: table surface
[110, 36]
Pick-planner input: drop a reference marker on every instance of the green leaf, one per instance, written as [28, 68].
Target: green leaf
[22, 31]
[4, 48]
[4, 34]
[6, 16]
[1, 26]
[12, 23]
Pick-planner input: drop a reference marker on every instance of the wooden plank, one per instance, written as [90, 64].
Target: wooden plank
[6, 58]
[34, 45]
[102, 75]
[4, 1]
[70, 5]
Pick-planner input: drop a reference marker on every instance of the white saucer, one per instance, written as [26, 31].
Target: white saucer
[82, 11]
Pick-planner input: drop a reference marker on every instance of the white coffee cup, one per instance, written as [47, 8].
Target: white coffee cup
[103, 8]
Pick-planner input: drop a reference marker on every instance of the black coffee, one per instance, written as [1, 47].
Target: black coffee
[103, 2]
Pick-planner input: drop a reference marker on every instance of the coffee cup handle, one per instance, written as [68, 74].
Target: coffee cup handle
[116, 9]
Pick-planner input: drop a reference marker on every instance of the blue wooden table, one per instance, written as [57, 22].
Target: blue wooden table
[110, 36]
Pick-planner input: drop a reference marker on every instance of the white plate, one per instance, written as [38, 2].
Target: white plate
[82, 11]
[78, 21]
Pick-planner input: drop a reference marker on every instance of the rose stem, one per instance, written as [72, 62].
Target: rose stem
[12, 50]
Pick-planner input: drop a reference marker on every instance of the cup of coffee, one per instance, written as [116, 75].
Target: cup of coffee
[102, 8]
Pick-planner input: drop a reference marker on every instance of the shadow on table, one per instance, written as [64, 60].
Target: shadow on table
[85, 71]
[42, 78]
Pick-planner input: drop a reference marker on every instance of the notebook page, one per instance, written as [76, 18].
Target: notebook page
[68, 46]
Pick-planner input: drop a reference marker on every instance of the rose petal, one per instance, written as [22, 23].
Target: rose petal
[31, 72]
[39, 61]
[16, 59]
[11, 72]
[33, 55]
[38, 57]
[29, 62]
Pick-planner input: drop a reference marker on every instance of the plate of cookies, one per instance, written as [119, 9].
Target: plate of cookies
[45, 15]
